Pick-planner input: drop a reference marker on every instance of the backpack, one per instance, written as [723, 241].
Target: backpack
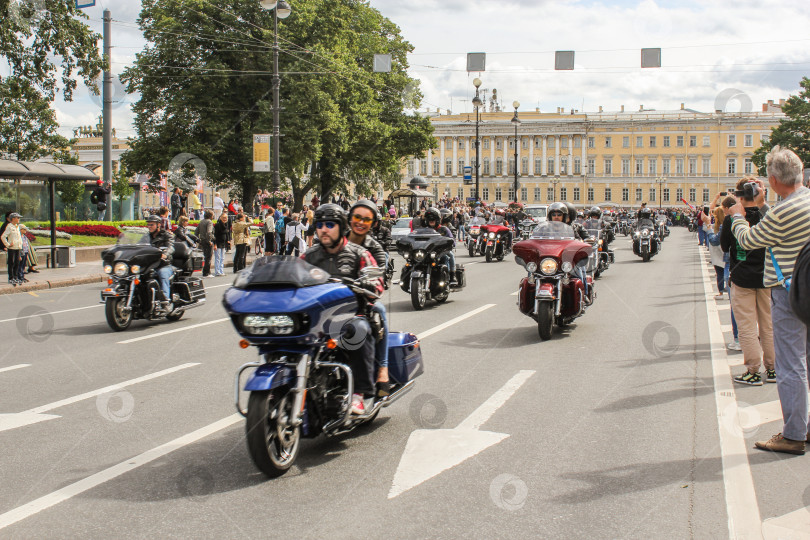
[93, 198]
[280, 226]
[800, 286]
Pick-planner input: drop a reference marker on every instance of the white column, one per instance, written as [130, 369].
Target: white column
[557, 155]
[428, 169]
[467, 152]
[584, 141]
[492, 156]
[456, 172]
[531, 156]
[441, 156]
[545, 148]
[506, 156]
[570, 170]
[518, 144]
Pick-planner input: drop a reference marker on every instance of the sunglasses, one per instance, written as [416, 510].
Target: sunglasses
[327, 224]
[360, 219]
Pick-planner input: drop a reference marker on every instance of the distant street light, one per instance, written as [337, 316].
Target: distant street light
[477, 103]
[516, 121]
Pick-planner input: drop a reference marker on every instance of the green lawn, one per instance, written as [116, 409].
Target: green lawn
[78, 240]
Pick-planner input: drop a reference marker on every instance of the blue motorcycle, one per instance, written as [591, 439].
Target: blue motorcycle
[305, 325]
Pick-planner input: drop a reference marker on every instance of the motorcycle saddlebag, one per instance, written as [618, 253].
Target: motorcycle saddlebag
[461, 277]
[526, 296]
[190, 290]
[196, 262]
[404, 357]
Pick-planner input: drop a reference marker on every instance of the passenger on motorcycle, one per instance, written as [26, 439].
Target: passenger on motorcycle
[344, 259]
[433, 221]
[499, 218]
[160, 238]
[563, 212]
[363, 216]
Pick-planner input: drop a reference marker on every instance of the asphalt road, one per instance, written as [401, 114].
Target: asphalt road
[609, 430]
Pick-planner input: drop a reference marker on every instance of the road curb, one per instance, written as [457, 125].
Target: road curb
[53, 284]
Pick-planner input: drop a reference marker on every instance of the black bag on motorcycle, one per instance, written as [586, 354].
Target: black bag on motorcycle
[461, 276]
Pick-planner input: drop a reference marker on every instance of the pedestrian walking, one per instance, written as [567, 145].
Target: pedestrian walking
[222, 240]
[241, 242]
[12, 241]
[218, 205]
[176, 203]
[782, 232]
[205, 235]
[269, 232]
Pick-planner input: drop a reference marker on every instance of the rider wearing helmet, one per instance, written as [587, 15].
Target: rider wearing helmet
[161, 238]
[645, 218]
[499, 218]
[559, 211]
[433, 220]
[344, 259]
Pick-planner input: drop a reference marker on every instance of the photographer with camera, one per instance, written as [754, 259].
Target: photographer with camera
[98, 197]
[782, 231]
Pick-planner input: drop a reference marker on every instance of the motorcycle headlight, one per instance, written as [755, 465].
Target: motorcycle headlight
[548, 266]
[600, 241]
[645, 233]
[567, 266]
[419, 256]
[492, 235]
[108, 269]
[121, 269]
[135, 269]
[258, 325]
[635, 235]
[432, 255]
[531, 267]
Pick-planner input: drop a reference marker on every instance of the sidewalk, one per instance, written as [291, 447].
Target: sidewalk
[85, 272]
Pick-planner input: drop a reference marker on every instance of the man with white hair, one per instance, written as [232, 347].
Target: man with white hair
[783, 231]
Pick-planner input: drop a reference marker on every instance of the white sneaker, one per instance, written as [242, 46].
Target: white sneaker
[734, 345]
[358, 407]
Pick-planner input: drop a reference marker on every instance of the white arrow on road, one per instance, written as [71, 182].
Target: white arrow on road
[430, 452]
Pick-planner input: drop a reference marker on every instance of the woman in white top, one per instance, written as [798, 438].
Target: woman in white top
[219, 205]
[294, 235]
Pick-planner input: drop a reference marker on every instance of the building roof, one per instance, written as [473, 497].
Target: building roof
[28, 170]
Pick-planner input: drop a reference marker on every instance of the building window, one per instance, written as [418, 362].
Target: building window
[524, 194]
[499, 166]
[564, 142]
[665, 194]
[460, 170]
[510, 194]
[460, 194]
[665, 166]
[524, 143]
[448, 167]
[639, 142]
[486, 166]
[538, 142]
[679, 166]
[748, 166]
[486, 144]
[707, 166]
[461, 144]
[448, 144]
[625, 142]
[550, 194]
[732, 140]
[524, 166]
[639, 194]
[692, 195]
[590, 194]
[485, 193]
[552, 141]
[625, 194]
[679, 194]
[652, 141]
[498, 144]
[639, 166]
[705, 195]
[679, 141]
[652, 166]
[692, 166]
[577, 165]
[511, 144]
[436, 167]
[706, 141]
[576, 194]
[607, 194]
[748, 141]
[410, 169]
[423, 167]
[608, 167]
[608, 142]
[625, 167]
[511, 167]
[591, 142]
[563, 164]
[693, 141]
[591, 166]
[732, 166]
[563, 194]
[538, 166]
[763, 139]
[537, 192]
[666, 141]
[577, 142]
[551, 166]
[652, 194]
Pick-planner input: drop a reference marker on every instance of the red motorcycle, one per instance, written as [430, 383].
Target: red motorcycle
[496, 237]
[558, 288]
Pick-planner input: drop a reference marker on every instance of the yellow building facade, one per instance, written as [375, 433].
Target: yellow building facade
[606, 158]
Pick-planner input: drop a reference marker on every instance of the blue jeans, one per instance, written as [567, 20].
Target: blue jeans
[381, 347]
[731, 309]
[792, 345]
[701, 236]
[219, 260]
[449, 258]
[164, 274]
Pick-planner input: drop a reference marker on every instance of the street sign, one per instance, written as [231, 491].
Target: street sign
[382, 63]
[651, 58]
[468, 175]
[476, 61]
[85, 4]
[564, 60]
[261, 153]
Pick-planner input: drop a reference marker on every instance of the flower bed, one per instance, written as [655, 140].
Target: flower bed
[47, 233]
[89, 230]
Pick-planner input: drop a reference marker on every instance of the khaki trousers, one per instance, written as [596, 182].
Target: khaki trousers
[752, 310]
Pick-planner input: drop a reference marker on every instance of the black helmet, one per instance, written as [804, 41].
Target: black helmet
[645, 213]
[447, 215]
[153, 219]
[365, 203]
[595, 212]
[558, 207]
[572, 212]
[332, 212]
[432, 214]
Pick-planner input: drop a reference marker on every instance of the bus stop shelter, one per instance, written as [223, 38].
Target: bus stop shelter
[48, 173]
[416, 190]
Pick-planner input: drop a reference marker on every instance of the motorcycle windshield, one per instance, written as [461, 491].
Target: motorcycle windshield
[425, 239]
[282, 271]
[553, 230]
[133, 237]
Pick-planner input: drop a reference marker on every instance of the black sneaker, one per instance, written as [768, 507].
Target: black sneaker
[753, 379]
[770, 375]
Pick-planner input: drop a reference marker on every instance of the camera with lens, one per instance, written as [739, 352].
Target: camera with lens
[750, 190]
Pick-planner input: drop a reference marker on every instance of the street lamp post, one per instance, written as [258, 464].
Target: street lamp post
[516, 121]
[477, 103]
[554, 182]
[660, 181]
[281, 10]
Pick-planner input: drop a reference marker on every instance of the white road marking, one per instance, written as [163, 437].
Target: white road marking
[744, 519]
[167, 332]
[451, 322]
[50, 313]
[32, 416]
[218, 286]
[792, 526]
[67, 492]
[12, 368]
[429, 452]
[514, 293]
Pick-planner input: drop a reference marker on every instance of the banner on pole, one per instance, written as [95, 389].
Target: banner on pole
[261, 153]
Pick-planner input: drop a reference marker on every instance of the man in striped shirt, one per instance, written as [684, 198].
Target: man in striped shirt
[783, 231]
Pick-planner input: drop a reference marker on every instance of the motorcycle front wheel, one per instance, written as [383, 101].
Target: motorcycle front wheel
[272, 443]
[489, 254]
[418, 295]
[471, 249]
[117, 319]
[545, 320]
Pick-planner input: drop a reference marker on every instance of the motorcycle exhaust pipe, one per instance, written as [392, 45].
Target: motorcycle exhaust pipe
[389, 399]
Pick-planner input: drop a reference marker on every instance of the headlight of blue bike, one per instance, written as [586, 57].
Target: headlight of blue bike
[259, 325]
[419, 256]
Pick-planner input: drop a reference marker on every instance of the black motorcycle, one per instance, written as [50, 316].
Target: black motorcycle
[133, 291]
[425, 274]
[526, 228]
[646, 242]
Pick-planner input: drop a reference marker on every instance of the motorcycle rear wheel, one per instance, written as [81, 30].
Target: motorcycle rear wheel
[272, 443]
[545, 320]
[418, 295]
[116, 319]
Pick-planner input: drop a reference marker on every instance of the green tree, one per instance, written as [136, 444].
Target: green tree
[48, 49]
[121, 188]
[205, 86]
[70, 191]
[792, 132]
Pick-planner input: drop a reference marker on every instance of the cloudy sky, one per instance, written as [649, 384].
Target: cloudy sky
[759, 47]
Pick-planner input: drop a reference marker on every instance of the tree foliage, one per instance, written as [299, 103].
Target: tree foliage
[70, 191]
[793, 132]
[205, 80]
[48, 49]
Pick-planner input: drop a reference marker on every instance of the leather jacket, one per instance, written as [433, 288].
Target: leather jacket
[163, 239]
